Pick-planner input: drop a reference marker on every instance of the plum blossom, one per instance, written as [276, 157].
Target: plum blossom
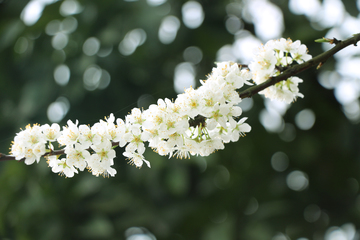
[268, 62]
[197, 122]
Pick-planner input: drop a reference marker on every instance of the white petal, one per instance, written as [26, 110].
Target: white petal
[147, 163]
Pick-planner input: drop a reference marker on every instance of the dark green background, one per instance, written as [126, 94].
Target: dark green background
[175, 199]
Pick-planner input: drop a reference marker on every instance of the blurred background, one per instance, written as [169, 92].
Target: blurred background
[294, 176]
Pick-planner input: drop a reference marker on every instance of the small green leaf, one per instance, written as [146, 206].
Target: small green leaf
[321, 40]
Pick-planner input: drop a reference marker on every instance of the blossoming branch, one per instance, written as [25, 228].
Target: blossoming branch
[198, 122]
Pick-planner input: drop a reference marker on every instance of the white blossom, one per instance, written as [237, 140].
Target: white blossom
[197, 122]
[136, 159]
[77, 156]
[69, 134]
[60, 166]
[29, 144]
[51, 133]
[270, 59]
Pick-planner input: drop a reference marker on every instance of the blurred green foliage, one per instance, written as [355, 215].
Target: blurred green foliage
[232, 194]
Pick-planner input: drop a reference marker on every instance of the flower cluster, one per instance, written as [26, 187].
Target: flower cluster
[81, 141]
[31, 142]
[197, 122]
[271, 59]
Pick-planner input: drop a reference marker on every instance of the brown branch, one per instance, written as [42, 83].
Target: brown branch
[296, 69]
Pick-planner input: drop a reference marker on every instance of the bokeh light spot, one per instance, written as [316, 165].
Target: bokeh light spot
[192, 14]
[251, 207]
[348, 66]
[276, 106]
[69, 24]
[59, 40]
[105, 79]
[168, 29]
[332, 13]
[288, 134]
[267, 18]
[193, 54]
[57, 110]
[21, 45]
[70, 7]
[309, 8]
[305, 119]
[58, 56]
[272, 121]
[297, 180]
[233, 24]
[155, 2]
[32, 12]
[138, 233]
[346, 91]
[225, 53]
[105, 51]
[131, 41]
[352, 111]
[53, 27]
[280, 236]
[234, 8]
[92, 77]
[62, 74]
[345, 232]
[246, 104]
[91, 46]
[184, 76]
[244, 45]
[312, 213]
[329, 79]
[279, 161]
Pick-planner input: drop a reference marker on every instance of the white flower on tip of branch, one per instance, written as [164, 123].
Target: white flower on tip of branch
[275, 55]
